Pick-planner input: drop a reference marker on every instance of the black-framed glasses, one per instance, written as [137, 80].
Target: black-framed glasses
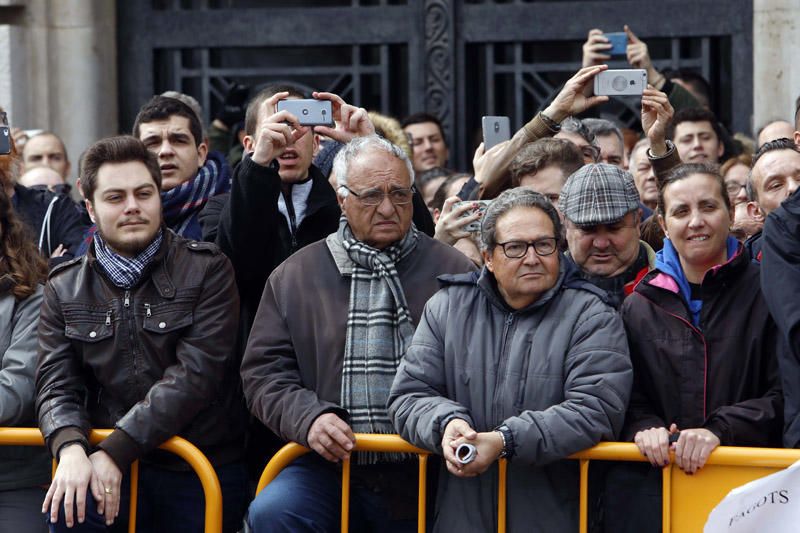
[517, 249]
[376, 196]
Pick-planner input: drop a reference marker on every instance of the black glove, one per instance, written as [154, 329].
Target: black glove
[234, 106]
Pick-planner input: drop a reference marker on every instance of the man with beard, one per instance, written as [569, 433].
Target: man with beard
[137, 335]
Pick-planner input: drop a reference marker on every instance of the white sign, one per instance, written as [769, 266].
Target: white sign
[771, 504]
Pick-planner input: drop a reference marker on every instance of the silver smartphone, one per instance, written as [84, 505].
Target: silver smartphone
[475, 225]
[5, 134]
[623, 82]
[495, 131]
[309, 112]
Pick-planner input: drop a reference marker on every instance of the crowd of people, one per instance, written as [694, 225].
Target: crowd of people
[255, 281]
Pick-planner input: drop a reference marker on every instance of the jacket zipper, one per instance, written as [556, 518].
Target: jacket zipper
[705, 347]
[108, 317]
[292, 218]
[148, 314]
[501, 369]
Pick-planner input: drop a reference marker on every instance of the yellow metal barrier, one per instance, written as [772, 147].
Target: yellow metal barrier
[180, 447]
[687, 500]
[375, 443]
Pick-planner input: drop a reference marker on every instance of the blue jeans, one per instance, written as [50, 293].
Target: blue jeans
[169, 501]
[307, 496]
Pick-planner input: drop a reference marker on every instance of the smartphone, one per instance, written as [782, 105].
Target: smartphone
[475, 225]
[5, 135]
[619, 43]
[623, 82]
[495, 131]
[309, 112]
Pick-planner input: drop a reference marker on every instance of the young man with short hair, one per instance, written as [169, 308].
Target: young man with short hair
[137, 335]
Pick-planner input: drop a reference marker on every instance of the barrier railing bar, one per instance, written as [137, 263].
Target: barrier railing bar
[345, 496]
[180, 447]
[666, 496]
[134, 497]
[583, 524]
[502, 495]
[422, 491]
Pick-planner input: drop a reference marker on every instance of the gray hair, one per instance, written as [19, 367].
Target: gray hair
[602, 127]
[508, 200]
[574, 125]
[359, 145]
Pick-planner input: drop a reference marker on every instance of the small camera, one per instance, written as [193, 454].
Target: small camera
[623, 82]
[5, 135]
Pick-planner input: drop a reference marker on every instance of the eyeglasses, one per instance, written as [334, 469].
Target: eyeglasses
[733, 187]
[591, 152]
[517, 249]
[376, 196]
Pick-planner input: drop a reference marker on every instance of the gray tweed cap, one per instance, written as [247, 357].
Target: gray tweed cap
[598, 194]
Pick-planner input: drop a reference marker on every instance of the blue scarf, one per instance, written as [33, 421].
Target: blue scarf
[668, 262]
[183, 203]
[125, 272]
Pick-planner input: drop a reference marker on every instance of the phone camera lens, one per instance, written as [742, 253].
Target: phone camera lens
[305, 111]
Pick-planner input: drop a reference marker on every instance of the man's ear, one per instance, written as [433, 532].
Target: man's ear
[720, 148]
[78, 186]
[797, 138]
[487, 260]
[755, 212]
[202, 153]
[90, 209]
[249, 144]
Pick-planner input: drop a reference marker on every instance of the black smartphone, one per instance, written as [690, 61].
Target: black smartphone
[5, 135]
[495, 131]
[309, 112]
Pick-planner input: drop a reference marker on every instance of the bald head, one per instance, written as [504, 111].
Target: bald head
[46, 150]
[41, 176]
[777, 129]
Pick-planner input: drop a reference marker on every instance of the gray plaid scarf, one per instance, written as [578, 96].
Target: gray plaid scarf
[379, 329]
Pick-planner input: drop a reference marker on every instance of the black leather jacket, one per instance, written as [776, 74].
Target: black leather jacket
[151, 362]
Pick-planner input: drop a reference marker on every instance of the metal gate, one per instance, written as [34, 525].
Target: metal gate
[459, 59]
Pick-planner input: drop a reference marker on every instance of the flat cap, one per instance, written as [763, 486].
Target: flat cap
[598, 194]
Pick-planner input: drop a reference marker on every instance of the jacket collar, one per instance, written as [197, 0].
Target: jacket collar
[321, 195]
[568, 278]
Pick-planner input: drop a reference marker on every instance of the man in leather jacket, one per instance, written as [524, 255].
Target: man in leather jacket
[138, 336]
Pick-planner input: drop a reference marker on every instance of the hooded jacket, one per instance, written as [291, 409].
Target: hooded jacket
[715, 370]
[557, 373]
[780, 281]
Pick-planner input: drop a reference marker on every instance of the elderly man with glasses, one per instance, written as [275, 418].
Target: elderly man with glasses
[335, 320]
[524, 361]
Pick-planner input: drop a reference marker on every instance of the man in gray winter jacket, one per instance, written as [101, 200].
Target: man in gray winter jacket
[544, 373]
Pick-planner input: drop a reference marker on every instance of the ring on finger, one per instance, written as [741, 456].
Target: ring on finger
[108, 491]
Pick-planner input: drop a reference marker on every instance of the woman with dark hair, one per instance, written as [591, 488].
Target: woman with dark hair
[24, 471]
[701, 338]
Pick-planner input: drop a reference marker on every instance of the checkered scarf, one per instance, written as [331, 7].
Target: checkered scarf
[125, 272]
[183, 203]
[379, 329]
